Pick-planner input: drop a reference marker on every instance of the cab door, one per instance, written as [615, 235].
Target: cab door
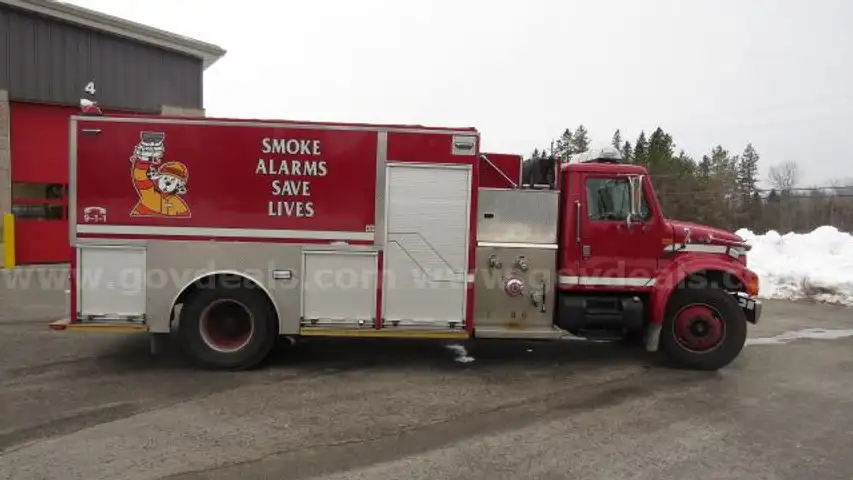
[613, 251]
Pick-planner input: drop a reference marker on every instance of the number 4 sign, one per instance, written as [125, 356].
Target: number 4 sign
[90, 88]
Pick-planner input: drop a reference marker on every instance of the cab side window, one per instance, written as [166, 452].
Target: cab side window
[609, 199]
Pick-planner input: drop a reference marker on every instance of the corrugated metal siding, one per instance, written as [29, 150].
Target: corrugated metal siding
[46, 61]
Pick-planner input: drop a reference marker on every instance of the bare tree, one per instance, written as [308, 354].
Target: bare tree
[784, 176]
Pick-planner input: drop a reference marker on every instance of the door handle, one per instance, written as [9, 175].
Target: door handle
[578, 222]
[586, 251]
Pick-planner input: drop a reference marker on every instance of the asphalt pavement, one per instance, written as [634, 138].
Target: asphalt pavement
[99, 406]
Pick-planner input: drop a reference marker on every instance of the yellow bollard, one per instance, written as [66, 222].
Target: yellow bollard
[9, 240]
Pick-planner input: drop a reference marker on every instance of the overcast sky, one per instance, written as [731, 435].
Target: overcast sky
[778, 73]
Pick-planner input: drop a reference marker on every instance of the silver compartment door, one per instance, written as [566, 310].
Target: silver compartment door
[426, 254]
[112, 282]
[339, 288]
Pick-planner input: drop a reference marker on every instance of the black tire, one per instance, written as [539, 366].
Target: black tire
[196, 335]
[726, 313]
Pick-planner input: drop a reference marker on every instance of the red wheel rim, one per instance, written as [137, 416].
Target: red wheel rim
[699, 328]
[226, 325]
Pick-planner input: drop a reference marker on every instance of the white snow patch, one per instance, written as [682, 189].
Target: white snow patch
[461, 353]
[816, 265]
[809, 333]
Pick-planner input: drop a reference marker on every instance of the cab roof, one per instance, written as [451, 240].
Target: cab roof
[604, 167]
[601, 160]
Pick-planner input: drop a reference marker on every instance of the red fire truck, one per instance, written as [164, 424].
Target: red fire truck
[232, 233]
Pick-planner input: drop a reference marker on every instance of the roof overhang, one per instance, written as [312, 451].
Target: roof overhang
[91, 19]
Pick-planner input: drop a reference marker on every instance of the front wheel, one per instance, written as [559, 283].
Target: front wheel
[704, 329]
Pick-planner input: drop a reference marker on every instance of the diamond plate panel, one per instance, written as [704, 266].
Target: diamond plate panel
[518, 216]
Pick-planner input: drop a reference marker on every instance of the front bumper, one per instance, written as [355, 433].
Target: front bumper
[751, 307]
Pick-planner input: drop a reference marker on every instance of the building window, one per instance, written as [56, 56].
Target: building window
[39, 201]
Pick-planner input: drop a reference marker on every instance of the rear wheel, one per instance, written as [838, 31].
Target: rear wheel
[227, 327]
[704, 329]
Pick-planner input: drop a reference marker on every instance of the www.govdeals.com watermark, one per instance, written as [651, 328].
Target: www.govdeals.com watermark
[274, 277]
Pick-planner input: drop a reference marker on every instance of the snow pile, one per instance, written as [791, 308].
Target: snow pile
[461, 353]
[809, 334]
[816, 265]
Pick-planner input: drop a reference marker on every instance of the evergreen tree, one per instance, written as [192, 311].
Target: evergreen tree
[677, 178]
[720, 189]
[704, 169]
[627, 152]
[755, 213]
[641, 149]
[723, 186]
[564, 145]
[660, 152]
[616, 142]
[747, 172]
[580, 140]
[721, 163]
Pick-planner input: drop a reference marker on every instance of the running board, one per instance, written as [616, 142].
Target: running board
[383, 333]
[109, 327]
[530, 333]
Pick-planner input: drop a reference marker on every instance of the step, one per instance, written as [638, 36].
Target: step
[530, 333]
[107, 327]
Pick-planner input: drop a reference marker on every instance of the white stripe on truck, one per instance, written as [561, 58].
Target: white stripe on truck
[223, 232]
[607, 281]
[703, 248]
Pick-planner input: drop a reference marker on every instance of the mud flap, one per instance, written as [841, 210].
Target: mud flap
[158, 343]
[652, 338]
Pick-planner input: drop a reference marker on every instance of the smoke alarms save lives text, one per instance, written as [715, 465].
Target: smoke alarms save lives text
[296, 184]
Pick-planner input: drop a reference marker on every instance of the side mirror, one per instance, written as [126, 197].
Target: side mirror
[635, 183]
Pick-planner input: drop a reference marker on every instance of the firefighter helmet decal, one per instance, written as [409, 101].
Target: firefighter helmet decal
[159, 185]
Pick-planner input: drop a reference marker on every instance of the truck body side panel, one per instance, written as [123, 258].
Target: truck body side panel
[277, 269]
[516, 262]
[497, 308]
[235, 181]
[500, 170]
[173, 265]
[432, 148]
[426, 257]
[300, 210]
[430, 180]
[114, 285]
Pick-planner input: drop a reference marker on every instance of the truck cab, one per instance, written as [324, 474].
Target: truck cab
[622, 269]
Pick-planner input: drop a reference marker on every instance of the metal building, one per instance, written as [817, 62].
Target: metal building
[53, 54]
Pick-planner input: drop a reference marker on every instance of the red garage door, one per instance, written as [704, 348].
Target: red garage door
[39, 147]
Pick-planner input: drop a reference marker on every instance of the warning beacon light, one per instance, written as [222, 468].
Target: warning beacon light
[599, 155]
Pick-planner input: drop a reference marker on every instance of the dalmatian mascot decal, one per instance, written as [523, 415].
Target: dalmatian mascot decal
[159, 186]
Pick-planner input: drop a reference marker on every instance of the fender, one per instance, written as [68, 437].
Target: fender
[669, 279]
[211, 273]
